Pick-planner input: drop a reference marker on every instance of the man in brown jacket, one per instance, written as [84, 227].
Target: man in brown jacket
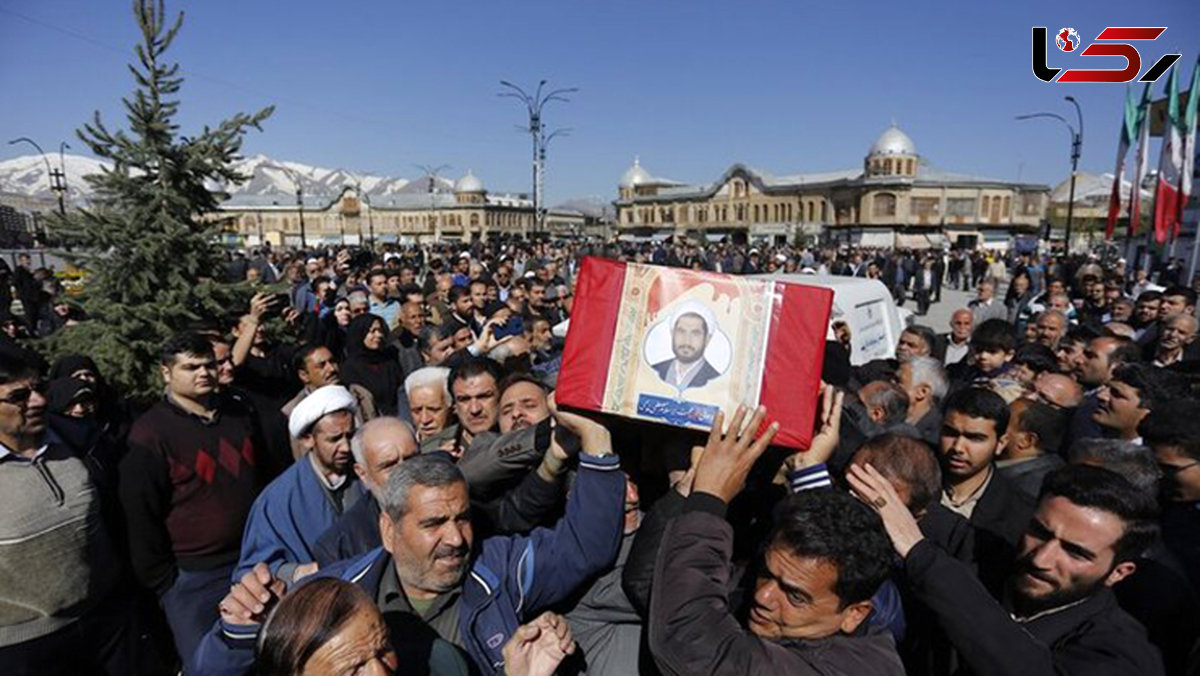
[825, 559]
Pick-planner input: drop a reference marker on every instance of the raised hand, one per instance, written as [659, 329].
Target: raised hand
[537, 648]
[249, 600]
[728, 456]
[825, 441]
[874, 489]
[594, 438]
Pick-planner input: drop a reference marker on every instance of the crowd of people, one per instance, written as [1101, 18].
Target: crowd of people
[365, 471]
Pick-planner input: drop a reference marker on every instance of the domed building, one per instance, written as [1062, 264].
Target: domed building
[896, 198]
[469, 190]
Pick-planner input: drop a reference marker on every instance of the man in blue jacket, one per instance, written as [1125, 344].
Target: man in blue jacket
[433, 582]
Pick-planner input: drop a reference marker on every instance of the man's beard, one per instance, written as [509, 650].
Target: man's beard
[1026, 606]
[688, 359]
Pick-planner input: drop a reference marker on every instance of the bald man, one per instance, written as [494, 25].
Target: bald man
[1058, 390]
[378, 446]
[958, 341]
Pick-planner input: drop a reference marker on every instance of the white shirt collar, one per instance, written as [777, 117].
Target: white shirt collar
[5, 451]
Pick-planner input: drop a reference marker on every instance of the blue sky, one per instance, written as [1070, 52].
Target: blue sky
[690, 87]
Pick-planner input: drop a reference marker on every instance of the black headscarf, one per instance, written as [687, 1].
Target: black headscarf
[376, 370]
[63, 391]
[66, 366]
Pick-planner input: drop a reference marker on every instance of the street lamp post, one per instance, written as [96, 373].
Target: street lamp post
[370, 222]
[1076, 151]
[537, 131]
[299, 200]
[432, 172]
[53, 177]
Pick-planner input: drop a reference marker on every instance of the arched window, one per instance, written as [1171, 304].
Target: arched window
[987, 204]
[884, 205]
[474, 220]
[1004, 209]
[911, 168]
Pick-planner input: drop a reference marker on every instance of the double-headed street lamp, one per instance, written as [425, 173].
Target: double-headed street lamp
[432, 172]
[299, 199]
[537, 131]
[1076, 151]
[57, 178]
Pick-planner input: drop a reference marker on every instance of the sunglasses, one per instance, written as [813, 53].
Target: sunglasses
[21, 395]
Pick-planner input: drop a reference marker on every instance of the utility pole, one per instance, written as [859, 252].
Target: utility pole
[534, 104]
[56, 179]
[1076, 151]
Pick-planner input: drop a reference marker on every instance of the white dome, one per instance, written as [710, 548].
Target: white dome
[634, 175]
[893, 142]
[468, 183]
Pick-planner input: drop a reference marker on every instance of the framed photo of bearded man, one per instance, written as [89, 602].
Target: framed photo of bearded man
[677, 346]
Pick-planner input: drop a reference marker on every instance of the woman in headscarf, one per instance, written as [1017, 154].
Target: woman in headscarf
[371, 362]
[329, 329]
[111, 408]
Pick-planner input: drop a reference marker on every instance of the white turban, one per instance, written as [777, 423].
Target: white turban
[693, 307]
[320, 403]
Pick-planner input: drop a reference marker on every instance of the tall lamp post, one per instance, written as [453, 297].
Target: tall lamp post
[299, 200]
[537, 131]
[1076, 151]
[432, 172]
[370, 223]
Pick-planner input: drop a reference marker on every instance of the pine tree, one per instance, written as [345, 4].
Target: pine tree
[152, 259]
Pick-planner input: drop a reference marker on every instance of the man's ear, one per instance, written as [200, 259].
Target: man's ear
[166, 374]
[854, 615]
[924, 391]
[387, 530]
[1001, 443]
[1120, 572]
[308, 441]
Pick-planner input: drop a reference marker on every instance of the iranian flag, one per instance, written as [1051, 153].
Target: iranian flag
[1142, 162]
[1170, 167]
[1189, 141]
[1128, 133]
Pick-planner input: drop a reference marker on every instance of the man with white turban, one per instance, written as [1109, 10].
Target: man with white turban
[299, 505]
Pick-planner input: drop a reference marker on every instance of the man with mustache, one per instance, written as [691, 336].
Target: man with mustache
[433, 579]
[691, 333]
[67, 612]
[299, 505]
[1133, 391]
[1058, 614]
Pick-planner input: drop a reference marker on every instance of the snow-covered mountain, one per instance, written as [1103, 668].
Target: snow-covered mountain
[27, 175]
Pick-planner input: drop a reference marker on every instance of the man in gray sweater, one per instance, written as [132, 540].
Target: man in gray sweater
[58, 570]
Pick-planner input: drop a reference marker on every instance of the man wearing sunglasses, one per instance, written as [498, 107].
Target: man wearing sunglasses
[59, 613]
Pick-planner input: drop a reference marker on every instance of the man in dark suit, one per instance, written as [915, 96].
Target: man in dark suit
[972, 429]
[690, 336]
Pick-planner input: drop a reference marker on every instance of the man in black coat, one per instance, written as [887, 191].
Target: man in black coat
[1059, 615]
[974, 422]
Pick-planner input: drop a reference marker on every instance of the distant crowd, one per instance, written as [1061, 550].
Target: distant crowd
[364, 471]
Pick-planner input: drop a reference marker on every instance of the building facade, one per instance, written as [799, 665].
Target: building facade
[894, 199]
[464, 212]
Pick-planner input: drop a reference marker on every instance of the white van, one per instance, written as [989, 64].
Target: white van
[867, 306]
